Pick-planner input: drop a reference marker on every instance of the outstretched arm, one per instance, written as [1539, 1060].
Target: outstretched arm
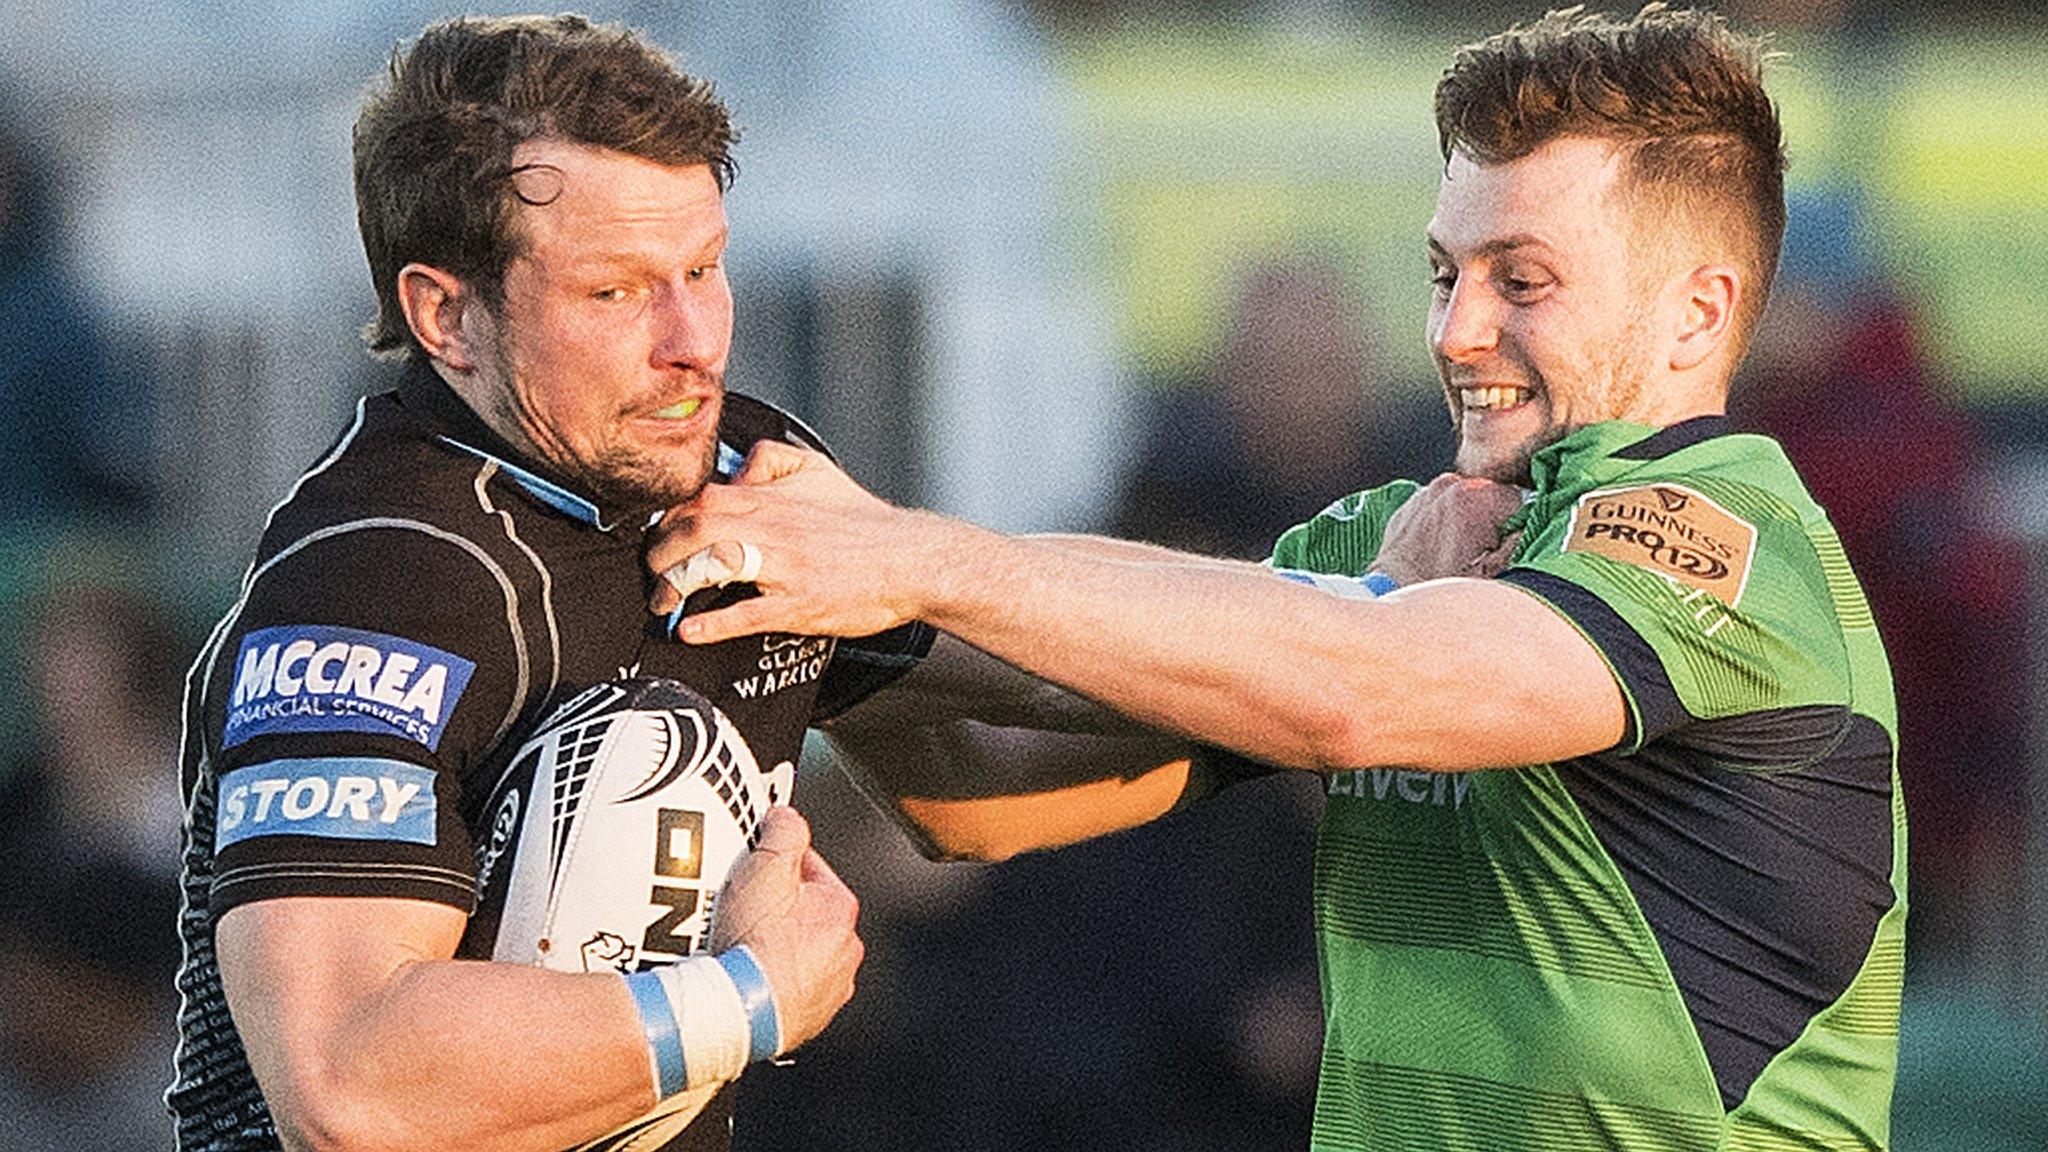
[977, 760]
[1451, 674]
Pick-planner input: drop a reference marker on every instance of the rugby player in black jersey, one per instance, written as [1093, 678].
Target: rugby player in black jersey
[541, 202]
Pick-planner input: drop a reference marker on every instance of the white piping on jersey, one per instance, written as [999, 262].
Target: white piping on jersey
[425, 873]
[195, 690]
[292, 493]
[544, 490]
[210, 651]
[547, 579]
[490, 564]
[211, 656]
[568, 503]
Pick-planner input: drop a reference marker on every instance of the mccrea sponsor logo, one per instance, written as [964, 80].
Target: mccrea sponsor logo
[353, 799]
[315, 678]
[1437, 789]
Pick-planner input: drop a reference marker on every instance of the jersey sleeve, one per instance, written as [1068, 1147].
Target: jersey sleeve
[1710, 604]
[364, 673]
[864, 665]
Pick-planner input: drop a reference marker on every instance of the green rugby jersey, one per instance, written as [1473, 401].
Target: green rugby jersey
[1694, 940]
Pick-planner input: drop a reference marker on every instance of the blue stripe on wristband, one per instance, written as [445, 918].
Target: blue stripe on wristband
[1378, 583]
[765, 1031]
[658, 1019]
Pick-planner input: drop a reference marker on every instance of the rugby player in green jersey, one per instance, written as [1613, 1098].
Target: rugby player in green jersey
[1614, 851]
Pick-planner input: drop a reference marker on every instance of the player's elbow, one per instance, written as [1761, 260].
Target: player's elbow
[323, 1109]
[999, 827]
[315, 1117]
[1337, 733]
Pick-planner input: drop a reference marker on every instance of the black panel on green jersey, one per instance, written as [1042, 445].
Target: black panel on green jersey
[1694, 939]
[1658, 709]
[1764, 889]
[1716, 858]
[1683, 434]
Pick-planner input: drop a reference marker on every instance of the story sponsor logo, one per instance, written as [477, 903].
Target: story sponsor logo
[1671, 530]
[319, 678]
[343, 797]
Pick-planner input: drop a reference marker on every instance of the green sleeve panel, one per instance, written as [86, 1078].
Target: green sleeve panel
[1343, 539]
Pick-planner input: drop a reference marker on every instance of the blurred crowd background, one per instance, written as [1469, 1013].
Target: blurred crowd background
[1146, 266]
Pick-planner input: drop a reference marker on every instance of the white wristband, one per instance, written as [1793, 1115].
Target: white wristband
[706, 1018]
[710, 1017]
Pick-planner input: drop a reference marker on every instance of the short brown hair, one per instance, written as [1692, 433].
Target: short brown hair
[1678, 89]
[434, 142]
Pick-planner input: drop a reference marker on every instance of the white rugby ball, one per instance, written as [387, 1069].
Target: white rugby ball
[640, 797]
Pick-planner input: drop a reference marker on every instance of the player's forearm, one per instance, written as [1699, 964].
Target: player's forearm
[957, 681]
[1136, 552]
[963, 790]
[1223, 654]
[466, 1054]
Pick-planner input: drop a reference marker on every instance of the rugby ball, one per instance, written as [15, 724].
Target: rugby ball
[616, 825]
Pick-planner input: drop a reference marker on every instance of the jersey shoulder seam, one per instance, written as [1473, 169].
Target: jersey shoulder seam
[462, 543]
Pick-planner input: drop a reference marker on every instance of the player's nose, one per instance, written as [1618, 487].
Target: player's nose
[1466, 325]
[693, 328]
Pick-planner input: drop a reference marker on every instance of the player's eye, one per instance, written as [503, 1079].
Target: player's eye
[1522, 288]
[1443, 279]
[610, 295]
[703, 270]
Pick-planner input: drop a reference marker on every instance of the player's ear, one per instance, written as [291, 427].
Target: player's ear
[436, 306]
[1707, 314]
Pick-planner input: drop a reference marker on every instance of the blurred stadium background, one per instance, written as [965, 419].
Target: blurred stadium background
[1151, 266]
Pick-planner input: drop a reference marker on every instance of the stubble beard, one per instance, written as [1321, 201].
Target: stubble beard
[1513, 466]
[1615, 389]
[622, 480]
[631, 481]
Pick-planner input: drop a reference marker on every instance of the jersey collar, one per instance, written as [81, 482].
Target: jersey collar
[457, 425]
[1683, 434]
[742, 422]
[1557, 463]
[1572, 467]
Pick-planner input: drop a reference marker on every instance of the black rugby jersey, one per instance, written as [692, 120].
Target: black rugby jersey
[421, 598]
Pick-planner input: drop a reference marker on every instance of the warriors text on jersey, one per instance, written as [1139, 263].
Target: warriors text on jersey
[1691, 941]
[420, 601]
